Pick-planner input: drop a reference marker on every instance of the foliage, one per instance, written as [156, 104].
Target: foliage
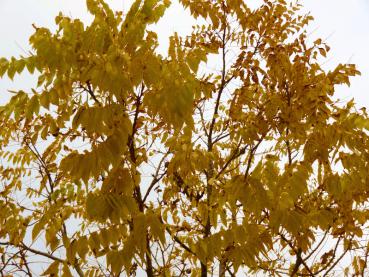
[122, 160]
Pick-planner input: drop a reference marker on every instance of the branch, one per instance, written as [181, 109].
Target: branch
[221, 89]
[28, 270]
[131, 144]
[317, 247]
[137, 194]
[337, 261]
[156, 178]
[43, 164]
[251, 156]
[237, 153]
[34, 251]
[297, 263]
[365, 261]
[91, 92]
[176, 239]
[299, 259]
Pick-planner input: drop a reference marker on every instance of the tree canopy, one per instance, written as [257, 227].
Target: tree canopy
[122, 161]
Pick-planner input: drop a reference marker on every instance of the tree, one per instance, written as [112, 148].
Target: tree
[129, 161]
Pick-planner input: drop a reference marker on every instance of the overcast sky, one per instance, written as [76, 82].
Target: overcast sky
[344, 25]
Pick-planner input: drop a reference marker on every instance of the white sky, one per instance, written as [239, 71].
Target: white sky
[344, 24]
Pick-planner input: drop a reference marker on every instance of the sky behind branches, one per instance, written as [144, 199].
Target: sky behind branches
[344, 25]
